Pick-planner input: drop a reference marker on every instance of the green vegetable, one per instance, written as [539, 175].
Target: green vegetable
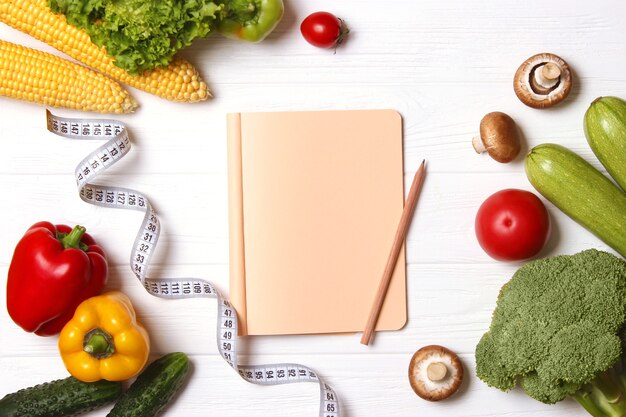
[138, 34]
[557, 330]
[154, 387]
[63, 397]
[580, 191]
[605, 129]
[250, 20]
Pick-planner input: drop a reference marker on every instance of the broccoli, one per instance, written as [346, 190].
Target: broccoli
[557, 330]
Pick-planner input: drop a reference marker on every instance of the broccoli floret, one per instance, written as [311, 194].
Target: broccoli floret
[557, 331]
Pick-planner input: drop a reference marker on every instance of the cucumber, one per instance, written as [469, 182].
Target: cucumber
[580, 191]
[605, 129]
[63, 397]
[154, 387]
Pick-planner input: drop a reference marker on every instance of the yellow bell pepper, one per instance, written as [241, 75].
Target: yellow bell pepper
[104, 340]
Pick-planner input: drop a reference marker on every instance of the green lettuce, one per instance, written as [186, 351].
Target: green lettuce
[141, 34]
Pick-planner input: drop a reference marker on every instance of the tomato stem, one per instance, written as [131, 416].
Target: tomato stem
[343, 32]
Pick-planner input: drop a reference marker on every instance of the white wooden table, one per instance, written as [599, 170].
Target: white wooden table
[443, 65]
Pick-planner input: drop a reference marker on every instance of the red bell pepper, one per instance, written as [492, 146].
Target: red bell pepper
[54, 269]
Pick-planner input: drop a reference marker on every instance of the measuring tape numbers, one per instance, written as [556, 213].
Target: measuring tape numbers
[117, 145]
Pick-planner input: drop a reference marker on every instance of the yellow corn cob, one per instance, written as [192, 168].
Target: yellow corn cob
[40, 77]
[179, 81]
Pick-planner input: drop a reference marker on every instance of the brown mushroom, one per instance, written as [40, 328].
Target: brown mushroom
[498, 136]
[542, 81]
[435, 372]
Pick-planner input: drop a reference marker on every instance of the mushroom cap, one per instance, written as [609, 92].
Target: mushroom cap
[533, 94]
[500, 137]
[419, 373]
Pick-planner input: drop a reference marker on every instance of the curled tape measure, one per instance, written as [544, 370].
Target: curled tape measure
[117, 145]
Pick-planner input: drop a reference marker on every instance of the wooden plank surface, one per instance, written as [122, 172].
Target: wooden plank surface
[443, 65]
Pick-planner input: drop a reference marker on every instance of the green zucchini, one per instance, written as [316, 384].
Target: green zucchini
[605, 129]
[154, 387]
[63, 397]
[580, 191]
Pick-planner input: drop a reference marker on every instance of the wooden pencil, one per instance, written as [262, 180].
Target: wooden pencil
[398, 241]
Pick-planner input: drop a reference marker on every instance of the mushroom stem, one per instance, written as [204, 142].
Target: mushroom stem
[436, 371]
[478, 145]
[548, 75]
[542, 81]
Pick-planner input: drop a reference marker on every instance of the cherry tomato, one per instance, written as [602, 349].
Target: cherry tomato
[323, 29]
[512, 225]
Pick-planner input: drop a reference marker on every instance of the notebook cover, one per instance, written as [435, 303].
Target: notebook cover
[314, 202]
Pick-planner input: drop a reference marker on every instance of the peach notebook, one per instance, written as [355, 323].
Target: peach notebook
[314, 202]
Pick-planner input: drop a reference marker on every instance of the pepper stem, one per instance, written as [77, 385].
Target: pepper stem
[243, 10]
[98, 344]
[72, 239]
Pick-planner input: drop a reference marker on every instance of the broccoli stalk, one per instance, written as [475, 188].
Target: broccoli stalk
[605, 396]
[558, 332]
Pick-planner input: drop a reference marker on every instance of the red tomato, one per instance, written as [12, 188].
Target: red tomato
[512, 225]
[323, 29]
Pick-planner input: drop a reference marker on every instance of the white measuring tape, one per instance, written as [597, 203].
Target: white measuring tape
[118, 144]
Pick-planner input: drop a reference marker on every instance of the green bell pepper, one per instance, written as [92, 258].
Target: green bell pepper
[250, 20]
